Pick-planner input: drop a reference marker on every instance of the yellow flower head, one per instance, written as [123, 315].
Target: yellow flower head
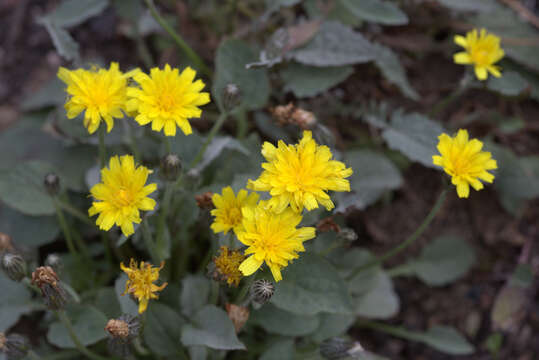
[121, 194]
[464, 161]
[141, 282]
[100, 93]
[227, 210]
[272, 238]
[167, 98]
[482, 50]
[227, 265]
[300, 175]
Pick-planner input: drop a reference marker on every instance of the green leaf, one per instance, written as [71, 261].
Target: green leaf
[332, 325]
[128, 305]
[216, 148]
[509, 84]
[376, 11]
[195, 293]
[467, 5]
[106, 302]
[88, 324]
[63, 42]
[74, 12]
[163, 329]
[15, 300]
[373, 175]
[306, 81]
[277, 321]
[338, 12]
[186, 147]
[509, 306]
[390, 66]
[213, 328]
[444, 260]
[50, 94]
[281, 350]
[335, 45]
[446, 339]
[32, 231]
[311, 285]
[232, 56]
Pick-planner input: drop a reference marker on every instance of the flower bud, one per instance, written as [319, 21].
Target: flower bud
[52, 183]
[204, 201]
[261, 291]
[348, 235]
[339, 348]
[171, 165]
[47, 281]
[55, 262]
[13, 265]
[231, 96]
[121, 332]
[14, 346]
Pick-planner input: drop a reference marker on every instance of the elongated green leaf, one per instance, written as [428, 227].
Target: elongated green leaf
[15, 300]
[307, 81]
[194, 294]
[63, 42]
[281, 350]
[163, 329]
[127, 304]
[74, 12]
[377, 11]
[510, 84]
[50, 94]
[332, 325]
[467, 5]
[28, 230]
[273, 320]
[390, 66]
[88, 324]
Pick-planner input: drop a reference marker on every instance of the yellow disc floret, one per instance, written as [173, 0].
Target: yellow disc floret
[227, 210]
[464, 161]
[167, 99]
[300, 175]
[482, 50]
[121, 194]
[271, 238]
[141, 282]
[100, 93]
[227, 265]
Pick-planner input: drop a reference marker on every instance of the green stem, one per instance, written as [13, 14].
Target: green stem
[168, 147]
[214, 292]
[65, 229]
[397, 249]
[191, 54]
[78, 344]
[214, 130]
[142, 49]
[160, 234]
[75, 212]
[105, 240]
[102, 149]
[389, 329]
[244, 291]
[453, 96]
[147, 235]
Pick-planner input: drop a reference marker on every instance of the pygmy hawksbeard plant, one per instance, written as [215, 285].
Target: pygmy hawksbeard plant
[227, 210]
[100, 93]
[300, 175]
[271, 238]
[464, 161]
[482, 50]
[140, 282]
[121, 194]
[167, 99]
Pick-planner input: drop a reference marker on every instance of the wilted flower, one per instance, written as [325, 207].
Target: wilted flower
[238, 315]
[167, 99]
[100, 93]
[48, 282]
[290, 114]
[481, 50]
[13, 265]
[52, 183]
[204, 201]
[464, 161]
[261, 291]
[121, 332]
[141, 282]
[328, 224]
[271, 238]
[227, 210]
[171, 166]
[121, 194]
[14, 346]
[300, 175]
[227, 265]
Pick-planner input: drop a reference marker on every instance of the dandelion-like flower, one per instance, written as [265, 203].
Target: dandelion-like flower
[464, 161]
[227, 265]
[100, 93]
[141, 282]
[227, 210]
[121, 194]
[167, 99]
[482, 50]
[271, 238]
[300, 175]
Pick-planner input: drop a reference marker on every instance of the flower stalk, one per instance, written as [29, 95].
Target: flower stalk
[102, 149]
[214, 130]
[160, 243]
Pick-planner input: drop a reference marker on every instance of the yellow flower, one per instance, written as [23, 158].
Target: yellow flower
[272, 238]
[227, 210]
[121, 194]
[227, 265]
[482, 50]
[167, 98]
[100, 93]
[464, 161]
[140, 283]
[300, 175]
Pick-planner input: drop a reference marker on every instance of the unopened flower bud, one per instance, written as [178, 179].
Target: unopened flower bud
[5, 243]
[231, 96]
[339, 348]
[261, 291]
[348, 235]
[14, 346]
[171, 165]
[13, 265]
[55, 262]
[204, 201]
[52, 183]
[47, 281]
[121, 332]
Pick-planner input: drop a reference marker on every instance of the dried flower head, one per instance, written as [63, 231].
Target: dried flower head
[227, 266]
[238, 314]
[261, 291]
[204, 201]
[121, 332]
[482, 50]
[141, 282]
[290, 114]
[328, 224]
[47, 281]
[13, 265]
[117, 328]
[14, 346]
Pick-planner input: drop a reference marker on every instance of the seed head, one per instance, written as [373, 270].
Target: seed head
[13, 265]
[231, 96]
[171, 165]
[348, 235]
[261, 291]
[121, 332]
[338, 348]
[52, 183]
[55, 262]
[14, 346]
[47, 281]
